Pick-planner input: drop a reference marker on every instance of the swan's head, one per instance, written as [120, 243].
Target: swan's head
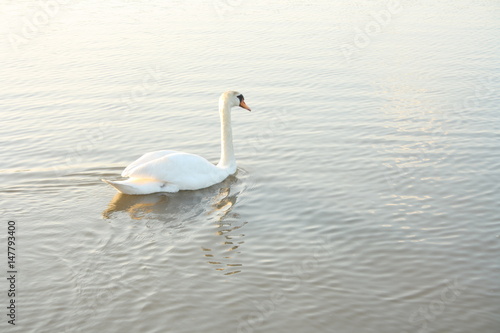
[235, 99]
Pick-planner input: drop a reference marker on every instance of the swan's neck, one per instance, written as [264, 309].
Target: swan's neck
[227, 159]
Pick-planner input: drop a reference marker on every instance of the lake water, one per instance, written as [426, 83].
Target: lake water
[367, 195]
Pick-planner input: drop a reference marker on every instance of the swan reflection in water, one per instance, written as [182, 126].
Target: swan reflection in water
[167, 214]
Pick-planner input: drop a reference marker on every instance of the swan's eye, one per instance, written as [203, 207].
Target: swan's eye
[240, 97]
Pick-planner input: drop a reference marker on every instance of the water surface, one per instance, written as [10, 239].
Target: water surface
[367, 193]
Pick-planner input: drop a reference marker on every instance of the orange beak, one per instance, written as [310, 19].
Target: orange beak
[244, 105]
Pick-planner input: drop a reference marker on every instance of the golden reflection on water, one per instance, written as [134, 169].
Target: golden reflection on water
[136, 206]
[415, 149]
[418, 119]
[211, 204]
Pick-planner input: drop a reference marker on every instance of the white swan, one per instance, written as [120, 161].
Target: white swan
[171, 171]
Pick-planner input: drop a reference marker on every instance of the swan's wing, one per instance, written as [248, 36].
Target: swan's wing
[144, 159]
[188, 171]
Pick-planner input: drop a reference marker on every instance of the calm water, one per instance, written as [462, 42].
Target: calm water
[368, 186]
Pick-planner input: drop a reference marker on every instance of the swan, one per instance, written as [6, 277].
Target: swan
[172, 171]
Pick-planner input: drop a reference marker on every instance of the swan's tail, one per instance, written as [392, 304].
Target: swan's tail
[135, 186]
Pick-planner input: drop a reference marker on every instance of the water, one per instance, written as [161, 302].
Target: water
[367, 193]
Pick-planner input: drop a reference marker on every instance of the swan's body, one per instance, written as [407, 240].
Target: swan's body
[171, 171]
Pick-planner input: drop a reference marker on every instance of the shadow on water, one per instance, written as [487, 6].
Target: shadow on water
[181, 217]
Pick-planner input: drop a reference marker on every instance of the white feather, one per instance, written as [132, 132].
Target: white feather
[171, 171]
